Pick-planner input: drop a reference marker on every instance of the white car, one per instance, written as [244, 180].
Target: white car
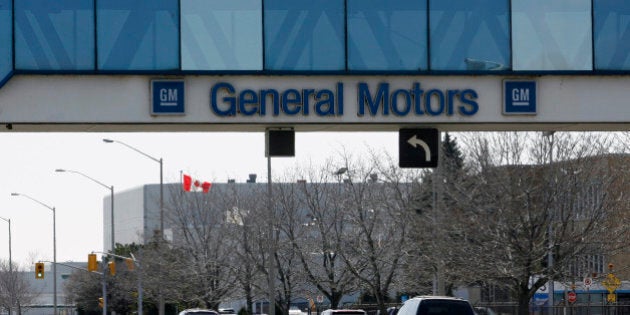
[227, 311]
[344, 312]
[294, 310]
[198, 311]
[440, 305]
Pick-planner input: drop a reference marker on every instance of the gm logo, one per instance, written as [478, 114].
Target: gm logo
[519, 97]
[167, 97]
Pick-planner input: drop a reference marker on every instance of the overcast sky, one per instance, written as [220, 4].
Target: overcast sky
[29, 160]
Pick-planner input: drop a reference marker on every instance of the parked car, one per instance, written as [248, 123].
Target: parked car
[294, 310]
[343, 312]
[227, 311]
[436, 305]
[484, 311]
[198, 311]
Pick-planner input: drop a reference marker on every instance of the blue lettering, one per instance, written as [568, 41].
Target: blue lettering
[406, 95]
[248, 98]
[306, 96]
[325, 105]
[381, 99]
[339, 98]
[417, 93]
[264, 96]
[431, 95]
[231, 101]
[470, 106]
[452, 96]
[291, 97]
[226, 101]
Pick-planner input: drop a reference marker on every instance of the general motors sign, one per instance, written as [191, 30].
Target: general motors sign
[167, 97]
[519, 97]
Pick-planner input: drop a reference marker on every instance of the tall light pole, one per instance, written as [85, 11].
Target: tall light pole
[160, 161]
[111, 190]
[54, 246]
[272, 275]
[550, 137]
[161, 179]
[10, 265]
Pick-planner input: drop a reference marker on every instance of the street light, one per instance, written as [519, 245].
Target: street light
[111, 190]
[10, 264]
[161, 180]
[54, 246]
[550, 137]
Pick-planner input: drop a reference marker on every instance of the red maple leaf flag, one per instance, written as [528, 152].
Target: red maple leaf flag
[191, 184]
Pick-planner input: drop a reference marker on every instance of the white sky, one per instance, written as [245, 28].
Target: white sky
[28, 162]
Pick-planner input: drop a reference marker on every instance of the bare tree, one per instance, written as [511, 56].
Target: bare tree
[376, 229]
[248, 229]
[438, 262]
[314, 234]
[204, 275]
[15, 290]
[538, 202]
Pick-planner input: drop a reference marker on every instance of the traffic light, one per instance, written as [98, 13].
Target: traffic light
[130, 264]
[92, 263]
[39, 270]
[112, 268]
[100, 302]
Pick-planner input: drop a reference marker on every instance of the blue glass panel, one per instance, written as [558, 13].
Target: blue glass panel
[470, 35]
[138, 34]
[304, 35]
[6, 41]
[612, 34]
[221, 35]
[552, 35]
[54, 35]
[387, 35]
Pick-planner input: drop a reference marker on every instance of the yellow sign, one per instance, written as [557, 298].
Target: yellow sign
[611, 298]
[611, 283]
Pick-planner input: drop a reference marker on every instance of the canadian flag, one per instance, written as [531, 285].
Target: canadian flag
[191, 184]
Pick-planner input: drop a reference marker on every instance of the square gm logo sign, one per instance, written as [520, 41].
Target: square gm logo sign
[167, 97]
[519, 97]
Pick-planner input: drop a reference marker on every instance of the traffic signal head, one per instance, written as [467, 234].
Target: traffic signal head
[130, 264]
[112, 268]
[92, 263]
[39, 270]
[100, 302]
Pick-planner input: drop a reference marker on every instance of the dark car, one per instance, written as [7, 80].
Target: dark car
[436, 305]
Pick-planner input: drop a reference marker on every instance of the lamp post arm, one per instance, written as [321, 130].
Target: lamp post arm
[86, 176]
[35, 200]
[133, 148]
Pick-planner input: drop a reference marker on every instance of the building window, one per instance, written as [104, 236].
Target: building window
[54, 35]
[470, 35]
[387, 35]
[6, 31]
[138, 35]
[612, 34]
[304, 35]
[586, 265]
[552, 35]
[221, 35]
